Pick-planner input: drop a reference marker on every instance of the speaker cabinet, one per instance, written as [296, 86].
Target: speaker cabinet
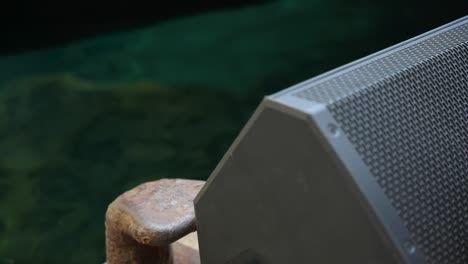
[364, 164]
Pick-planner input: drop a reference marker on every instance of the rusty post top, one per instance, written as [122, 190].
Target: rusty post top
[157, 213]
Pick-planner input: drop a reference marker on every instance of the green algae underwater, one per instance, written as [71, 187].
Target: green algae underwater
[82, 123]
[71, 147]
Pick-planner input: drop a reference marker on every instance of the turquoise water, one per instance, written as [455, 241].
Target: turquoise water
[82, 123]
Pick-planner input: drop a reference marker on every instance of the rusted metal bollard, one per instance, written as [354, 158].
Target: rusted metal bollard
[142, 223]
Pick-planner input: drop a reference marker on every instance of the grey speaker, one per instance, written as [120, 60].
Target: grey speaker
[364, 164]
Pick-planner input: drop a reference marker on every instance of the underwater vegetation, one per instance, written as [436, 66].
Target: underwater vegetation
[68, 147]
[82, 123]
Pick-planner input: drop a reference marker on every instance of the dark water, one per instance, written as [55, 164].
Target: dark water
[82, 123]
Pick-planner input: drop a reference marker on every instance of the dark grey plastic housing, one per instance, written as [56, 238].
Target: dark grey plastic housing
[363, 164]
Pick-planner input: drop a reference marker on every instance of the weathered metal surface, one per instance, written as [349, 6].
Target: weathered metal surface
[143, 222]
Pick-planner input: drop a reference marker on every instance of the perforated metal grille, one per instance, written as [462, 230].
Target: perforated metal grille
[334, 88]
[411, 129]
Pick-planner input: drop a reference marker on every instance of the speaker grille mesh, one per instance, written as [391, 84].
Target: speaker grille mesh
[332, 89]
[407, 116]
